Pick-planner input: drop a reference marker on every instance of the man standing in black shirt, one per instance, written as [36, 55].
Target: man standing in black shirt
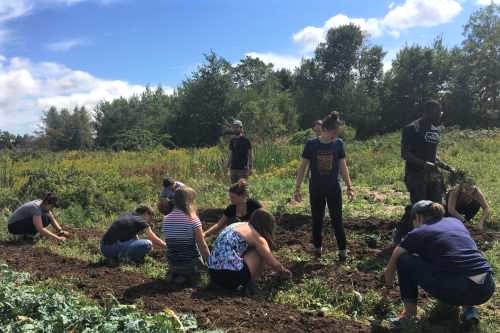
[419, 149]
[423, 178]
[240, 154]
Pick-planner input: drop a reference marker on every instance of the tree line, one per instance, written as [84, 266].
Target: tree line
[345, 73]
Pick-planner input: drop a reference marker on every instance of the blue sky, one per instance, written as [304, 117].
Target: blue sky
[79, 52]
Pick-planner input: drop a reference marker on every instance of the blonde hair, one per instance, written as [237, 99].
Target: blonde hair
[434, 211]
[185, 200]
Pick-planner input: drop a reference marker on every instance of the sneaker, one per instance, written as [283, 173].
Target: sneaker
[342, 255]
[471, 315]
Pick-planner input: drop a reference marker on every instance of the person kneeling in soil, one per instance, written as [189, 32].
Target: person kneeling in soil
[34, 217]
[464, 201]
[166, 203]
[440, 256]
[326, 158]
[240, 209]
[184, 237]
[121, 242]
[241, 251]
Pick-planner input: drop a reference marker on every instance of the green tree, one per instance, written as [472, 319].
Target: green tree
[205, 102]
[482, 51]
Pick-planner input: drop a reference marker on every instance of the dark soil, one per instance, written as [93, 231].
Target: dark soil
[369, 250]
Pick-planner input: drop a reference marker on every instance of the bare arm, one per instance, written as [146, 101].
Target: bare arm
[486, 208]
[344, 172]
[301, 171]
[250, 160]
[37, 222]
[221, 224]
[228, 162]
[265, 253]
[202, 244]
[390, 270]
[56, 225]
[452, 205]
[155, 239]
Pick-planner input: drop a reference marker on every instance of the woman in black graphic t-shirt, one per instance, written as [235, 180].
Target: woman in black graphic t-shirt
[325, 156]
[240, 209]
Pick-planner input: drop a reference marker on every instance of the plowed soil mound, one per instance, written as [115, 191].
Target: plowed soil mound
[368, 243]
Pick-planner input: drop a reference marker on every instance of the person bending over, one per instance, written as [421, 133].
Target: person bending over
[121, 241]
[440, 256]
[464, 201]
[166, 203]
[184, 237]
[240, 209]
[34, 217]
[242, 250]
[325, 156]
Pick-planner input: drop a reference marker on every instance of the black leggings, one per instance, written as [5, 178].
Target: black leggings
[26, 226]
[320, 197]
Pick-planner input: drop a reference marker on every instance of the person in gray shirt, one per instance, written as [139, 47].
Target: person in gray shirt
[34, 217]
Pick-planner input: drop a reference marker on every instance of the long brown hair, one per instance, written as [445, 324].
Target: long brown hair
[185, 200]
[265, 224]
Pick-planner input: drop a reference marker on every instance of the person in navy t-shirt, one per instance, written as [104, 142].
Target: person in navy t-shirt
[325, 157]
[440, 256]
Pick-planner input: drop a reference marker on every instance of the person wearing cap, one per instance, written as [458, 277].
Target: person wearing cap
[166, 204]
[240, 154]
[34, 217]
[440, 256]
[121, 241]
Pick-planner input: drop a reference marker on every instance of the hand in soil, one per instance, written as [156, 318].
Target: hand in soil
[286, 274]
[61, 238]
[350, 194]
[63, 233]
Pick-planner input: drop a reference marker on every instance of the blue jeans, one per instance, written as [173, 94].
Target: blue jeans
[131, 250]
[449, 288]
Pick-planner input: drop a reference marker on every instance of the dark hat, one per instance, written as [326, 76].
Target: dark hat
[168, 181]
[420, 207]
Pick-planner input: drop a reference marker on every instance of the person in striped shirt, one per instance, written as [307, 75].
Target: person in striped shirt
[184, 237]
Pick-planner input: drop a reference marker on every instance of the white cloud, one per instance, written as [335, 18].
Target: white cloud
[279, 61]
[27, 89]
[487, 2]
[65, 45]
[310, 37]
[422, 13]
[410, 14]
[12, 9]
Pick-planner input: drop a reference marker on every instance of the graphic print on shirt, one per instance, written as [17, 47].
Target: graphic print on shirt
[326, 161]
[432, 137]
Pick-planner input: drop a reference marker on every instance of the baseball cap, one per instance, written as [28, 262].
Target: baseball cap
[420, 207]
[238, 123]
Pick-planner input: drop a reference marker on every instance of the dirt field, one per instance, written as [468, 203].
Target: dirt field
[215, 309]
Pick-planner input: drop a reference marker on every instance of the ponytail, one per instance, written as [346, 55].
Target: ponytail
[436, 211]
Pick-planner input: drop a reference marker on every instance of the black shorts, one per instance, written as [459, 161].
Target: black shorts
[230, 279]
[26, 226]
